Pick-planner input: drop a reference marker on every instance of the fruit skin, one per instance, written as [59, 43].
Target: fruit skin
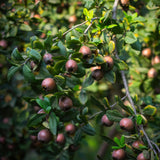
[125, 2]
[48, 58]
[136, 144]
[70, 129]
[60, 138]
[32, 65]
[44, 135]
[65, 103]
[126, 124]
[48, 84]
[72, 19]
[118, 154]
[152, 73]
[109, 61]
[3, 43]
[86, 51]
[105, 121]
[155, 60]
[97, 74]
[41, 111]
[141, 157]
[71, 66]
[146, 52]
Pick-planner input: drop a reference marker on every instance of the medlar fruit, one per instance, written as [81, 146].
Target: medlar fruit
[44, 135]
[126, 124]
[146, 52]
[97, 74]
[152, 73]
[48, 58]
[48, 84]
[60, 138]
[118, 154]
[70, 129]
[105, 121]
[86, 52]
[65, 103]
[71, 66]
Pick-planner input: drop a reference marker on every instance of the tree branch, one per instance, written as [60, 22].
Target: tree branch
[125, 81]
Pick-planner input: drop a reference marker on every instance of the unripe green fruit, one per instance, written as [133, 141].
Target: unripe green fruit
[97, 74]
[70, 129]
[65, 103]
[71, 66]
[105, 121]
[44, 135]
[60, 138]
[48, 58]
[118, 154]
[48, 84]
[126, 124]
[86, 52]
[146, 52]
[141, 157]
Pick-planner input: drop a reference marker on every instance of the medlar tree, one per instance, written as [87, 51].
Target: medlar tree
[111, 49]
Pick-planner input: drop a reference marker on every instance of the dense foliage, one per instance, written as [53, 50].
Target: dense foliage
[64, 66]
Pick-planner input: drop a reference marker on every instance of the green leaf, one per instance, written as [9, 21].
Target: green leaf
[117, 141]
[125, 107]
[60, 80]
[122, 140]
[35, 120]
[38, 44]
[35, 55]
[120, 64]
[89, 3]
[77, 136]
[25, 27]
[12, 71]
[130, 38]
[150, 110]
[29, 76]
[15, 55]
[114, 115]
[74, 44]
[62, 48]
[97, 103]
[83, 96]
[53, 123]
[43, 103]
[111, 46]
[89, 130]
[139, 119]
[110, 76]
[88, 81]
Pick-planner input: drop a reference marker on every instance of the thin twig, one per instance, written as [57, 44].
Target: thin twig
[71, 29]
[156, 146]
[125, 81]
[90, 25]
[91, 117]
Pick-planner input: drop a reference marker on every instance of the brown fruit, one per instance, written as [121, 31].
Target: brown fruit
[3, 43]
[97, 74]
[59, 9]
[32, 65]
[65, 103]
[118, 154]
[2, 140]
[73, 147]
[48, 84]
[152, 73]
[141, 157]
[71, 66]
[86, 51]
[44, 135]
[126, 124]
[70, 129]
[72, 19]
[6, 120]
[155, 60]
[109, 61]
[125, 2]
[60, 138]
[48, 58]
[33, 138]
[105, 121]
[146, 52]
[136, 144]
